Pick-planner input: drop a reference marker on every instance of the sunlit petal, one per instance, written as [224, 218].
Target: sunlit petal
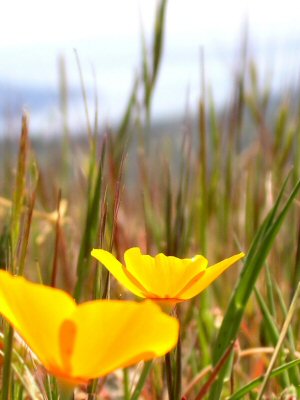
[37, 313]
[118, 271]
[78, 343]
[209, 275]
[175, 273]
[114, 334]
[163, 276]
[67, 339]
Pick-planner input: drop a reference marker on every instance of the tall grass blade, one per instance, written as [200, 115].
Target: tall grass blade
[254, 262]
[19, 194]
[25, 239]
[57, 232]
[204, 390]
[283, 332]
[158, 38]
[203, 163]
[142, 380]
[7, 366]
[91, 230]
[296, 272]
[240, 394]
[272, 332]
[85, 99]
[122, 134]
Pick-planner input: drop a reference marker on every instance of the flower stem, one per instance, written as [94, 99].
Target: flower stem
[169, 375]
[66, 390]
[7, 364]
[177, 381]
[126, 384]
[141, 381]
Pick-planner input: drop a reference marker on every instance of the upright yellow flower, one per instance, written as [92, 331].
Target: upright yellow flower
[163, 278]
[80, 342]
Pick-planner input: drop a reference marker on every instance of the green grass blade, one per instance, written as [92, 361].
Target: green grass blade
[283, 333]
[266, 223]
[123, 129]
[7, 367]
[290, 342]
[203, 177]
[89, 238]
[272, 332]
[253, 264]
[142, 380]
[270, 292]
[126, 384]
[240, 394]
[271, 326]
[158, 38]
[296, 271]
[19, 194]
[85, 99]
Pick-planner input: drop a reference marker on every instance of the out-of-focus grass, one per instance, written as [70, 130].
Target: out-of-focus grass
[210, 188]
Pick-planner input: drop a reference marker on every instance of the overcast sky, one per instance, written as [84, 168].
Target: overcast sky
[66, 21]
[106, 34]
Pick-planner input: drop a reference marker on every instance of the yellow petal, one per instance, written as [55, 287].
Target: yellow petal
[36, 312]
[117, 334]
[118, 271]
[67, 338]
[163, 276]
[209, 275]
[189, 269]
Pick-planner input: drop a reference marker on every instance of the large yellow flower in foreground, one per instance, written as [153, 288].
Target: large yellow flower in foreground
[80, 342]
[163, 278]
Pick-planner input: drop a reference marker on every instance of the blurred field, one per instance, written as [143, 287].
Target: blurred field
[214, 184]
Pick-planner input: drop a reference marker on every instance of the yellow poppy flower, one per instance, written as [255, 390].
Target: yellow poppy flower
[163, 278]
[80, 342]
